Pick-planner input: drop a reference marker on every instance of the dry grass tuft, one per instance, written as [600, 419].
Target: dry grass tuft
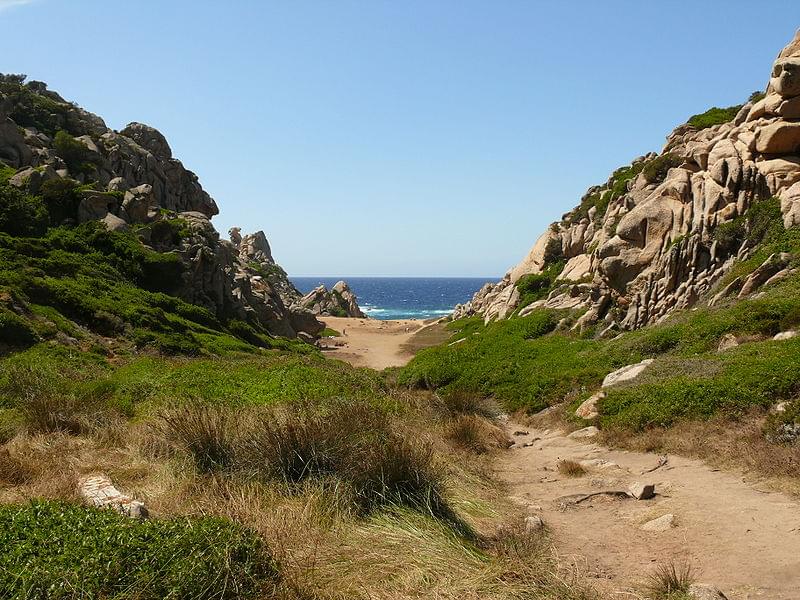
[12, 470]
[203, 432]
[570, 468]
[670, 582]
[475, 434]
[462, 402]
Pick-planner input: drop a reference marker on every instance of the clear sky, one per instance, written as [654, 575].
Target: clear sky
[424, 137]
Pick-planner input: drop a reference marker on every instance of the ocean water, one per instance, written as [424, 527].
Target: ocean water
[403, 297]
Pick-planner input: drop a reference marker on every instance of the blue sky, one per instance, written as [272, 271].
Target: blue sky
[398, 138]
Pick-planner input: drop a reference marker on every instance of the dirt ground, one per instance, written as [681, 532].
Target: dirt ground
[380, 344]
[743, 540]
[738, 537]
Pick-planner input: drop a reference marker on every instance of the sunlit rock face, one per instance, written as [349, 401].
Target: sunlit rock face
[645, 243]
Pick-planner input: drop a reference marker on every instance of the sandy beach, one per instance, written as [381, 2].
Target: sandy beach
[380, 344]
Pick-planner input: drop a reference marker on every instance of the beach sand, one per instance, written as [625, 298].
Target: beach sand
[380, 344]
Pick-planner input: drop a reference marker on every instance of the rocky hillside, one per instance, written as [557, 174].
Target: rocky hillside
[99, 225]
[674, 229]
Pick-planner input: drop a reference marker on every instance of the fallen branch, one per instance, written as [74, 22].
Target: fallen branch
[662, 462]
[578, 498]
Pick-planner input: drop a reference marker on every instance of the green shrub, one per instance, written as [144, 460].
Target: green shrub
[714, 116]
[16, 331]
[62, 197]
[537, 286]
[29, 109]
[20, 214]
[655, 171]
[73, 152]
[56, 550]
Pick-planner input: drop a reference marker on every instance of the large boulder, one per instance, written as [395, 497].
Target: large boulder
[339, 301]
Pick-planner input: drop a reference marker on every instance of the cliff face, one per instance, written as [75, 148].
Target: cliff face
[657, 236]
[130, 181]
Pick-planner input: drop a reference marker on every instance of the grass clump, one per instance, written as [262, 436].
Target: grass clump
[56, 550]
[570, 468]
[537, 286]
[204, 432]
[670, 582]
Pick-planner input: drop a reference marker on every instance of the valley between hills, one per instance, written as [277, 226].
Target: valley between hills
[617, 417]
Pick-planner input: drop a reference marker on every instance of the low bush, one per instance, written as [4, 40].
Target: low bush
[354, 444]
[15, 331]
[56, 550]
[655, 171]
[537, 286]
[74, 153]
[714, 116]
[21, 214]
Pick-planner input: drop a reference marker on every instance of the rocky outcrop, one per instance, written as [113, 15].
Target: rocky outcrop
[340, 301]
[649, 241]
[131, 178]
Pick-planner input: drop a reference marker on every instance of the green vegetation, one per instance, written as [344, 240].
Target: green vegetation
[537, 286]
[27, 108]
[20, 214]
[56, 550]
[714, 116]
[111, 284]
[655, 171]
[74, 153]
[523, 365]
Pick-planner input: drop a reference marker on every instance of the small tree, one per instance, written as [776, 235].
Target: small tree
[20, 214]
[74, 153]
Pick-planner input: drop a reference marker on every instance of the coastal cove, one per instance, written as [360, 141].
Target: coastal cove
[390, 298]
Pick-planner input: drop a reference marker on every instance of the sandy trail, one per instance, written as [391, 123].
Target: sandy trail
[741, 539]
[737, 537]
[373, 343]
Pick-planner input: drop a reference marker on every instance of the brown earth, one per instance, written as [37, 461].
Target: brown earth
[380, 344]
[736, 536]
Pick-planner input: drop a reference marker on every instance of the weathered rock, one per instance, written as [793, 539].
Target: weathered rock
[114, 223]
[779, 138]
[642, 491]
[149, 138]
[650, 248]
[627, 373]
[763, 273]
[340, 301]
[586, 432]
[533, 523]
[94, 206]
[663, 523]
[588, 408]
[137, 203]
[785, 335]
[727, 342]
[99, 491]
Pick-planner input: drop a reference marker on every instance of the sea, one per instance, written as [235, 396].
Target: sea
[388, 298]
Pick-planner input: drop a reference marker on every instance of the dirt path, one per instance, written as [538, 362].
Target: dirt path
[743, 540]
[376, 344]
